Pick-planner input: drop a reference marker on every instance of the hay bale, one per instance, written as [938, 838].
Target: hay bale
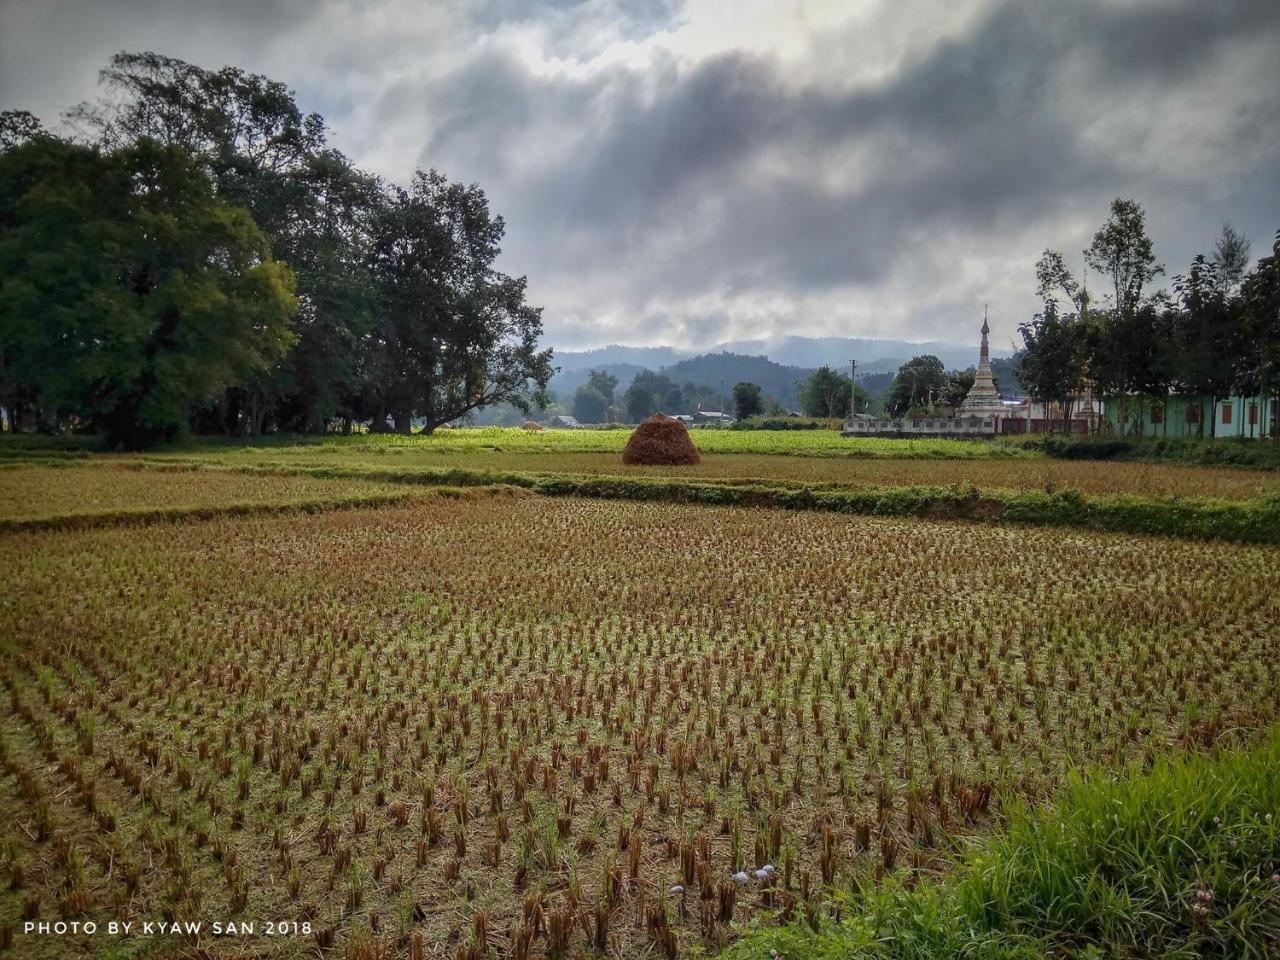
[658, 442]
[531, 425]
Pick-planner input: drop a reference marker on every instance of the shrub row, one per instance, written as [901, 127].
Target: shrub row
[786, 423]
[1240, 453]
[1180, 860]
[1253, 521]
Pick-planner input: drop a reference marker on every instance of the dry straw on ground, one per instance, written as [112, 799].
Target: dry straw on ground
[660, 441]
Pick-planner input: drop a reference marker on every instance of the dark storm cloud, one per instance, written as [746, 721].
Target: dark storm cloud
[982, 135]
[745, 189]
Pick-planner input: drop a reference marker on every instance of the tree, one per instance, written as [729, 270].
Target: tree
[825, 394]
[1005, 370]
[1053, 361]
[1053, 279]
[639, 402]
[1205, 337]
[17, 127]
[1231, 258]
[590, 405]
[131, 292]
[1122, 250]
[454, 334]
[264, 154]
[959, 383]
[1260, 296]
[604, 382]
[648, 394]
[917, 380]
[747, 401]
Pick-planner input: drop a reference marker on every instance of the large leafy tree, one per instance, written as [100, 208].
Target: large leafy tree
[454, 334]
[1123, 252]
[129, 291]
[826, 394]
[747, 400]
[590, 405]
[1054, 361]
[1204, 337]
[265, 155]
[650, 393]
[593, 401]
[917, 380]
[603, 381]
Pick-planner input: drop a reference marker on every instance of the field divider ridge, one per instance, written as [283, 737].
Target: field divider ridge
[1249, 521]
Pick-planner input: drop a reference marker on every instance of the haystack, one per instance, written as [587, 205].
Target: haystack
[531, 425]
[660, 441]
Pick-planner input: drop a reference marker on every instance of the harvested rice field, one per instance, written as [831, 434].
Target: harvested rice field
[530, 727]
[83, 490]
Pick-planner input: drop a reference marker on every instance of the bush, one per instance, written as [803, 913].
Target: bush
[1238, 453]
[1180, 860]
[786, 423]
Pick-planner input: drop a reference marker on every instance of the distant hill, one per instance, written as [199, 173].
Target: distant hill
[602, 357]
[873, 355]
[566, 382]
[777, 366]
[775, 380]
[704, 370]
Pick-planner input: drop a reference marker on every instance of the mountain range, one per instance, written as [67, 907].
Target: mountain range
[873, 355]
[778, 365]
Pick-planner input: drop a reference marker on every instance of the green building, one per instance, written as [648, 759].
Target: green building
[1234, 416]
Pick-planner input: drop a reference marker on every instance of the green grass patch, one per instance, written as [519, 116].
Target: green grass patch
[1177, 861]
[801, 443]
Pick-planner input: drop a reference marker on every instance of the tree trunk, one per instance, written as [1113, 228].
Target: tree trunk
[403, 421]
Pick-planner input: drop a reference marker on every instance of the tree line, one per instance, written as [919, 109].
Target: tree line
[1214, 335]
[200, 258]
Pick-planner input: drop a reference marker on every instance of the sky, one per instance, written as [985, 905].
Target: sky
[687, 172]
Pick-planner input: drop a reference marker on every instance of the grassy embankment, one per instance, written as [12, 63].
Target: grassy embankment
[1182, 860]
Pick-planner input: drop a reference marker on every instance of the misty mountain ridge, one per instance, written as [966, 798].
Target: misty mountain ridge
[729, 363]
[873, 355]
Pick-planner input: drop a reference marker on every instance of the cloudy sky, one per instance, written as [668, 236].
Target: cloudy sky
[692, 172]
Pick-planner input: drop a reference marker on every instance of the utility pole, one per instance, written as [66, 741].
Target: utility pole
[853, 387]
[721, 422]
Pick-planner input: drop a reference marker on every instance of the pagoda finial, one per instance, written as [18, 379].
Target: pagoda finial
[985, 328]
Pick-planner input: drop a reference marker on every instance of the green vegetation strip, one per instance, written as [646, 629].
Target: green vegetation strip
[1255, 454]
[137, 516]
[1182, 860]
[1252, 521]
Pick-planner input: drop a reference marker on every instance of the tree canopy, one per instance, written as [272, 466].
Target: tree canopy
[826, 394]
[397, 308]
[1213, 335]
[919, 381]
[131, 291]
[747, 400]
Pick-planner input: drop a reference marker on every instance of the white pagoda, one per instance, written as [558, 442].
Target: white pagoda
[983, 399]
